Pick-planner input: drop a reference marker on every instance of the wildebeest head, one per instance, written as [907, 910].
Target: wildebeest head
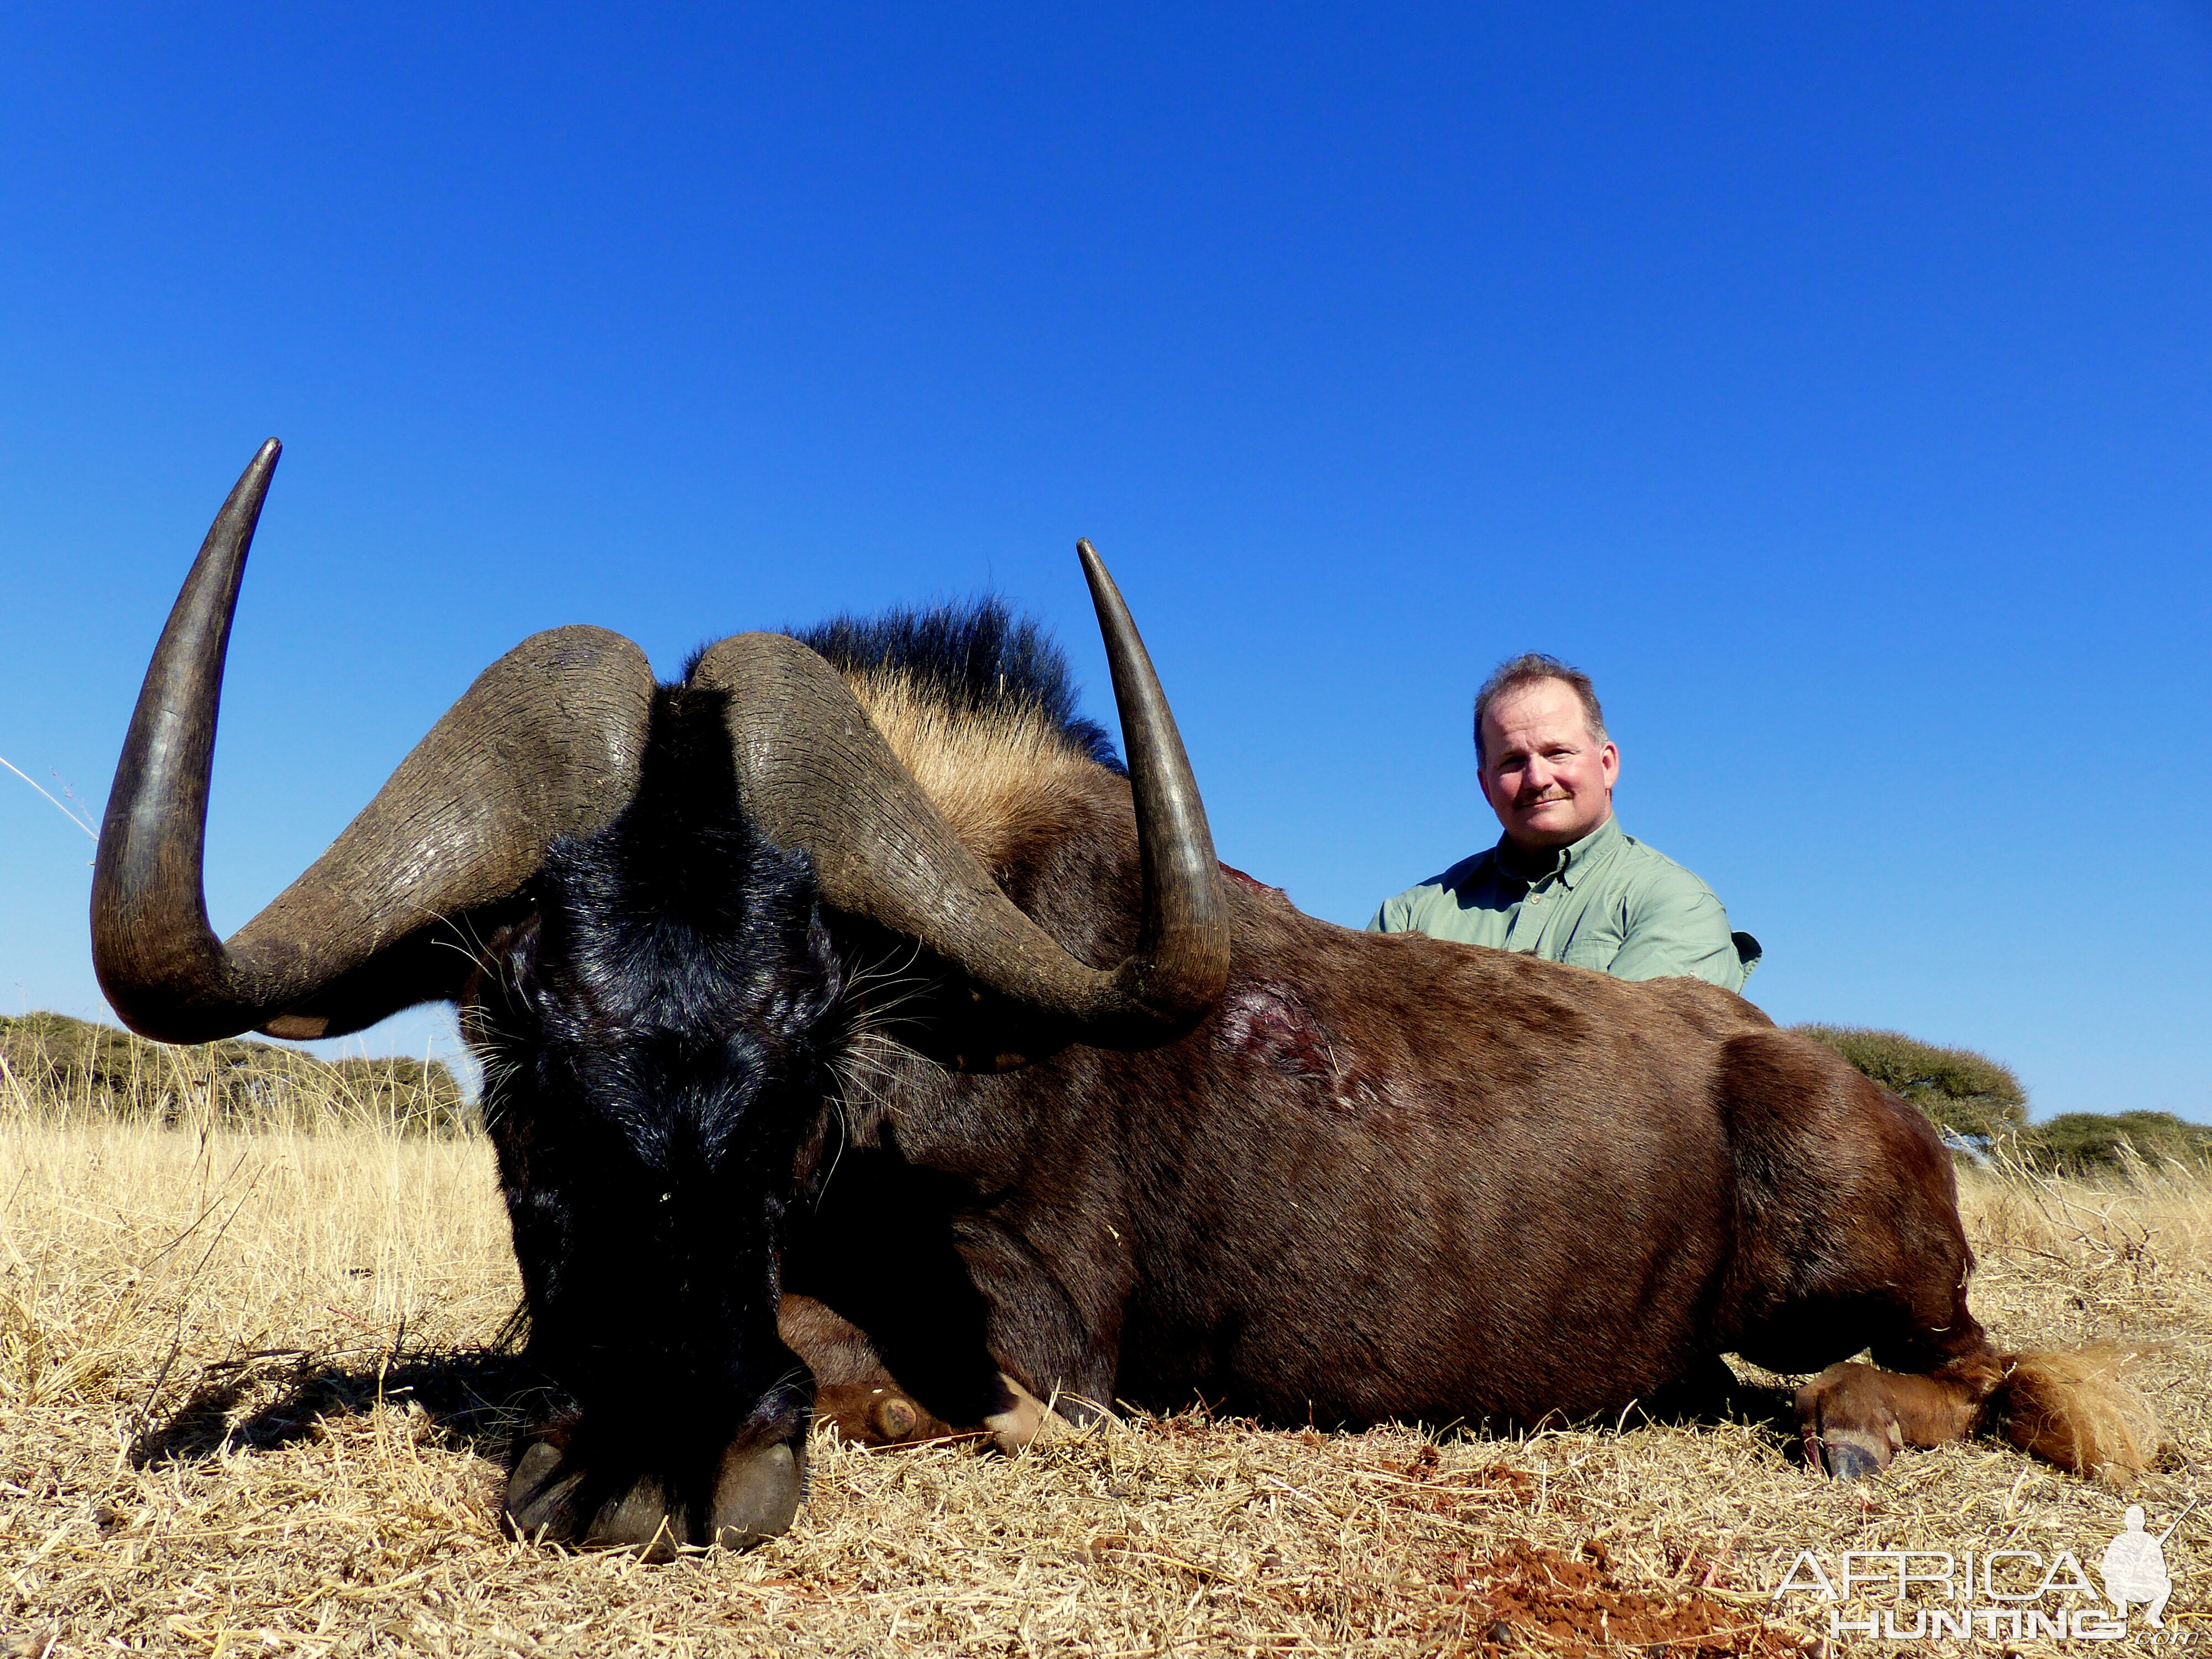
[636, 893]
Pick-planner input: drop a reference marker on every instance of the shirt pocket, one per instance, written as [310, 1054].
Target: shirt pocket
[1594, 939]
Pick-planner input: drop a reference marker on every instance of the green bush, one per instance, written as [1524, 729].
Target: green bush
[2084, 1143]
[53, 1063]
[1977, 1099]
[1965, 1092]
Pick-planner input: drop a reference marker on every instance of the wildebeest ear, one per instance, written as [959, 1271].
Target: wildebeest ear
[447, 961]
[501, 976]
[966, 1027]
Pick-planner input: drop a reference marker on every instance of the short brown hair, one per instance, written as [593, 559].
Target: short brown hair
[1518, 673]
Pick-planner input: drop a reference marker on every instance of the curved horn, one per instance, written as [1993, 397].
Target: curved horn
[1182, 961]
[816, 774]
[545, 744]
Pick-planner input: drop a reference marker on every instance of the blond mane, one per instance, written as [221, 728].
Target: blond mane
[1003, 777]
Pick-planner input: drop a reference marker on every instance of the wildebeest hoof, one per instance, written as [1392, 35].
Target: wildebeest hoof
[868, 1415]
[1846, 1459]
[756, 1496]
[1025, 1422]
[1848, 1419]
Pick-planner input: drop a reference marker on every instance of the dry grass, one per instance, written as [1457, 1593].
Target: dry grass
[246, 1407]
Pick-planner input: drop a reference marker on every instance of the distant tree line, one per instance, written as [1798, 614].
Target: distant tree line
[51, 1064]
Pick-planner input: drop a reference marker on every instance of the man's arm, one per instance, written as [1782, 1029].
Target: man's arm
[1676, 925]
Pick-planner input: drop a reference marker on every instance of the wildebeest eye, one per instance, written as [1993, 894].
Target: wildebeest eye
[517, 960]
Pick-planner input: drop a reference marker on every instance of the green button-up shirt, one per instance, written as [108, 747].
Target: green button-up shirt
[1608, 902]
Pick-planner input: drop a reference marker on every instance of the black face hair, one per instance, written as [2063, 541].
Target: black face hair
[667, 1038]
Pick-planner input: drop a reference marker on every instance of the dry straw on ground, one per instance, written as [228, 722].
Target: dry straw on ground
[248, 1406]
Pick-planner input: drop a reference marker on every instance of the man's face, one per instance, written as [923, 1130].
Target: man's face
[1548, 782]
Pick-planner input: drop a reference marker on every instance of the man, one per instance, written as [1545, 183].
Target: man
[1564, 883]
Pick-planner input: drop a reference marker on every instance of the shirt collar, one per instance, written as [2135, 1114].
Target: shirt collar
[1570, 863]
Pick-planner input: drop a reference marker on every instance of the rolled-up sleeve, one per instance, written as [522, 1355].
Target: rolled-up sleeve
[1675, 926]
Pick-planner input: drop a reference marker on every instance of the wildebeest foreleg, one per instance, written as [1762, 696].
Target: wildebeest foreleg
[856, 1394]
[1853, 1415]
[880, 1303]
[1854, 1243]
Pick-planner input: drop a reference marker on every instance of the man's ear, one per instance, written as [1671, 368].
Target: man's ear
[1608, 761]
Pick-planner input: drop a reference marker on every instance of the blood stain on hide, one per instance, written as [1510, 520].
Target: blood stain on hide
[1270, 1024]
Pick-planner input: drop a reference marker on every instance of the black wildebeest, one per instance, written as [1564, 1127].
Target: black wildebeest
[851, 966]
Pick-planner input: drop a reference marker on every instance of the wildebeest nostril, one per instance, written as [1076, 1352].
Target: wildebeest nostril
[638, 1520]
[539, 1493]
[757, 1495]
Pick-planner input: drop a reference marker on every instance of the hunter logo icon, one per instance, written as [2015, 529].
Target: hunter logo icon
[2134, 1568]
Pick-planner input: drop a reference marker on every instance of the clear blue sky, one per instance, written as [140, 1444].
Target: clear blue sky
[1832, 382]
